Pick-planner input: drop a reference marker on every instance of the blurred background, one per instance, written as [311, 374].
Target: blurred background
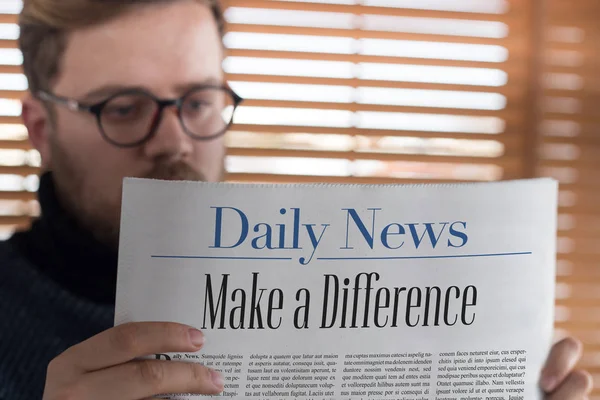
[398, 91]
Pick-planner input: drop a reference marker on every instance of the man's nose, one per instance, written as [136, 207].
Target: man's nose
[169, 140]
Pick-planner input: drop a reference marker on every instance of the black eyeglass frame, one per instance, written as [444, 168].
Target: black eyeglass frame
[97, 108]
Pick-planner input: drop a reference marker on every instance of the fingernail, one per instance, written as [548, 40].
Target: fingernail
[196, 337]
[548, 383]
[217, 379]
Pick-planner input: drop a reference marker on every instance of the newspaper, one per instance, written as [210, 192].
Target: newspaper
[348, 292]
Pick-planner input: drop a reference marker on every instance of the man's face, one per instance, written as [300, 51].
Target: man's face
[165, 49]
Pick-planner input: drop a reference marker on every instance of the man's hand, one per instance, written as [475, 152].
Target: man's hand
[560, 381]
[105, 366]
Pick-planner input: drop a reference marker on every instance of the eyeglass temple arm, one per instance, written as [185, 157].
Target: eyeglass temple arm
[71, 104]
[238, 99]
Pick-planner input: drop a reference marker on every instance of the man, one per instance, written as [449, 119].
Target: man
[120, 88]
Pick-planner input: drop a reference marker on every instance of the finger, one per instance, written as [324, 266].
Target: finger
[147, 378]
[561, 361]
[576, 386]
[130, 341]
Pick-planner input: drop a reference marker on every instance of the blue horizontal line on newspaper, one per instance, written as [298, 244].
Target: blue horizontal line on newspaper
[524, 253]
[346, 258]
[226, 258]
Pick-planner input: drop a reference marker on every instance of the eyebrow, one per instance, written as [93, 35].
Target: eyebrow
[110, 89]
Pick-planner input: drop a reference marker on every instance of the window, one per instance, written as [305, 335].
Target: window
[398, 91]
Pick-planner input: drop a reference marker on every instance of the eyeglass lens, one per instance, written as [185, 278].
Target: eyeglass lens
[204, 113]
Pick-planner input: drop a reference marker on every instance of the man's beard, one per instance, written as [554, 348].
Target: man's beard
[91, 207]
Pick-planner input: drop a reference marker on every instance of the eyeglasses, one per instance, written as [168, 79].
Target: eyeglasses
[131, 117]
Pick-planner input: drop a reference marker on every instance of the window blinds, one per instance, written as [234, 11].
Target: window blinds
[398, 91]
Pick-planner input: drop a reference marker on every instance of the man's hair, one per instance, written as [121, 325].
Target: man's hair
[46, 24]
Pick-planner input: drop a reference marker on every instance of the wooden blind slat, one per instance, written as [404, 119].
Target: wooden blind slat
[584, 164]
[513, 90]
[583, 69]
[577, 278]
[8, 44]
[577, 302]
[10, 69]
[15, 220]
[582, 227]
[585, 94]
[8, 18]
[11, 94]
[581, 48]
[15, 144]
[569, 117]
[585, 270]
[579, 140]
[253, 152]
[580, 234]
[20, 170]
[353, 180]
[585, 223]
[22, 196]
[509, 139]
[509, 18]
[10, 120]
[515, 44]
[507, 114]
[512, 66]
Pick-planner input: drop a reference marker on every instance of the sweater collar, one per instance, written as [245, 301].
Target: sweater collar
[61, 249]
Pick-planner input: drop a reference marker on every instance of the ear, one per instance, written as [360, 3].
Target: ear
[37, 121]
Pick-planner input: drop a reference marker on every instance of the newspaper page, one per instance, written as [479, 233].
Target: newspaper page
[348, 292]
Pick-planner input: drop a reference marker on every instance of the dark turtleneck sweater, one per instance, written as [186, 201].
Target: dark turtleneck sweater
[57, 289]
